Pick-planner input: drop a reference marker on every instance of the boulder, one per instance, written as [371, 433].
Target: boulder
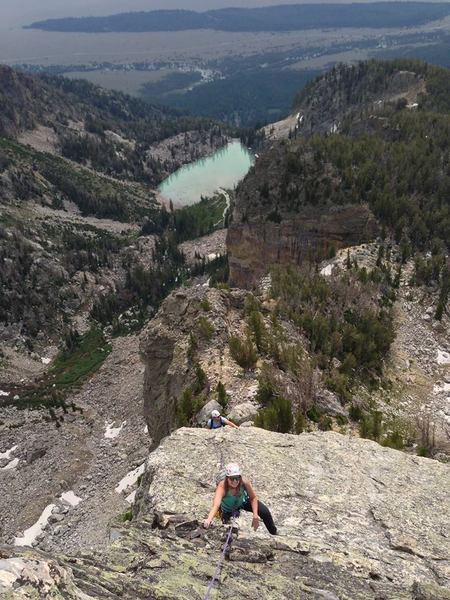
[328, 403]
[35, 453]
[243, 412]
[205, 413]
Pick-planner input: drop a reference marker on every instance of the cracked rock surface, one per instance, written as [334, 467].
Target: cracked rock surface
[356, 521]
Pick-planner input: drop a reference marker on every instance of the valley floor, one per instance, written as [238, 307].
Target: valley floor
[89, 455]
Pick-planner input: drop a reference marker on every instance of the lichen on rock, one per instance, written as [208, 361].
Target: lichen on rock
[356, 521]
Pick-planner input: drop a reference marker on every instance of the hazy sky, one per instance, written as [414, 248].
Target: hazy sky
[14, 13]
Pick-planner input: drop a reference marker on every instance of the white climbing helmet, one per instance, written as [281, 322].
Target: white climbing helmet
[232, 470]
[215, 413]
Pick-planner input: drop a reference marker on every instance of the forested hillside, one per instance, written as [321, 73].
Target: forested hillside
[369, 156]
[386, 144]
[109, 131]
[82, 237]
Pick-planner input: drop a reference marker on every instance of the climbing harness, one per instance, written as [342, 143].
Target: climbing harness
[221, 559]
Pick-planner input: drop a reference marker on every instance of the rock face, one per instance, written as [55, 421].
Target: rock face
[166, 367]
[189, 332]
[258, 243]
[273, 223]
[356, 521]
[294, 204]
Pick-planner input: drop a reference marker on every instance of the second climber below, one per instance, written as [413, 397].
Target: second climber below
[235, 493]
[216, 421]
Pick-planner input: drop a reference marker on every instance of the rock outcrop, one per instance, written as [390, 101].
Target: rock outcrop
[257, 244]
[274, 223]
[190, 332]
[356, 521]
[166, 365]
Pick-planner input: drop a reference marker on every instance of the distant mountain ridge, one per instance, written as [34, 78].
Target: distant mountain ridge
[270, 18]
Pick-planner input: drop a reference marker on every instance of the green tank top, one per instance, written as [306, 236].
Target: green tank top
[231, 503]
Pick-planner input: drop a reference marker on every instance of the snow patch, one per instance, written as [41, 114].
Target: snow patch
[112, 432]
[70, 498]
[146, 429]
[2, 393]
[130, 498]
[8, 453]
[30, 534]
[130, 478]
[45, 361]
[443, 358]
[441, 387]
[11, 465]
[326, 271]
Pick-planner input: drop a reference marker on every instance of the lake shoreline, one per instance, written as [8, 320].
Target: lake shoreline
[203, 177]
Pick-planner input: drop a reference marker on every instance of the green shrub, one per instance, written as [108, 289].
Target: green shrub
[394, 440]
[185, 408]
[314, 414]
[243, 351]
[267, 389]
[277, 416]
[205, 328]
[341, 420]
[222, 396]
[290, 357]
[325, 423]
[424, 452]
[126, 516]
[201, 379]
[258, 329]
[339, 383]
[205, 303]
[251, 304]
[355, 412]
[300, 422]
[192, 346]
[371, 425]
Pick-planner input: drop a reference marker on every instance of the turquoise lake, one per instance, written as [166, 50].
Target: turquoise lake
[224, 169]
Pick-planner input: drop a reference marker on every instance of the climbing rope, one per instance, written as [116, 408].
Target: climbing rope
[220, 561]
[219, 453]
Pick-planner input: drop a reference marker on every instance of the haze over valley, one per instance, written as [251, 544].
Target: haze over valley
[216, 73]
[250, 217]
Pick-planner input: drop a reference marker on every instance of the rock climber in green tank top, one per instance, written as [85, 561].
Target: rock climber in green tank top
[235, 493]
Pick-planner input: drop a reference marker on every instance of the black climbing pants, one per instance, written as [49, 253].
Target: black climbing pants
[263, 512]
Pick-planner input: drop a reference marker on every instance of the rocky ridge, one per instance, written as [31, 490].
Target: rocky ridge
[356, 521]
[347, 92]
[166, 351]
